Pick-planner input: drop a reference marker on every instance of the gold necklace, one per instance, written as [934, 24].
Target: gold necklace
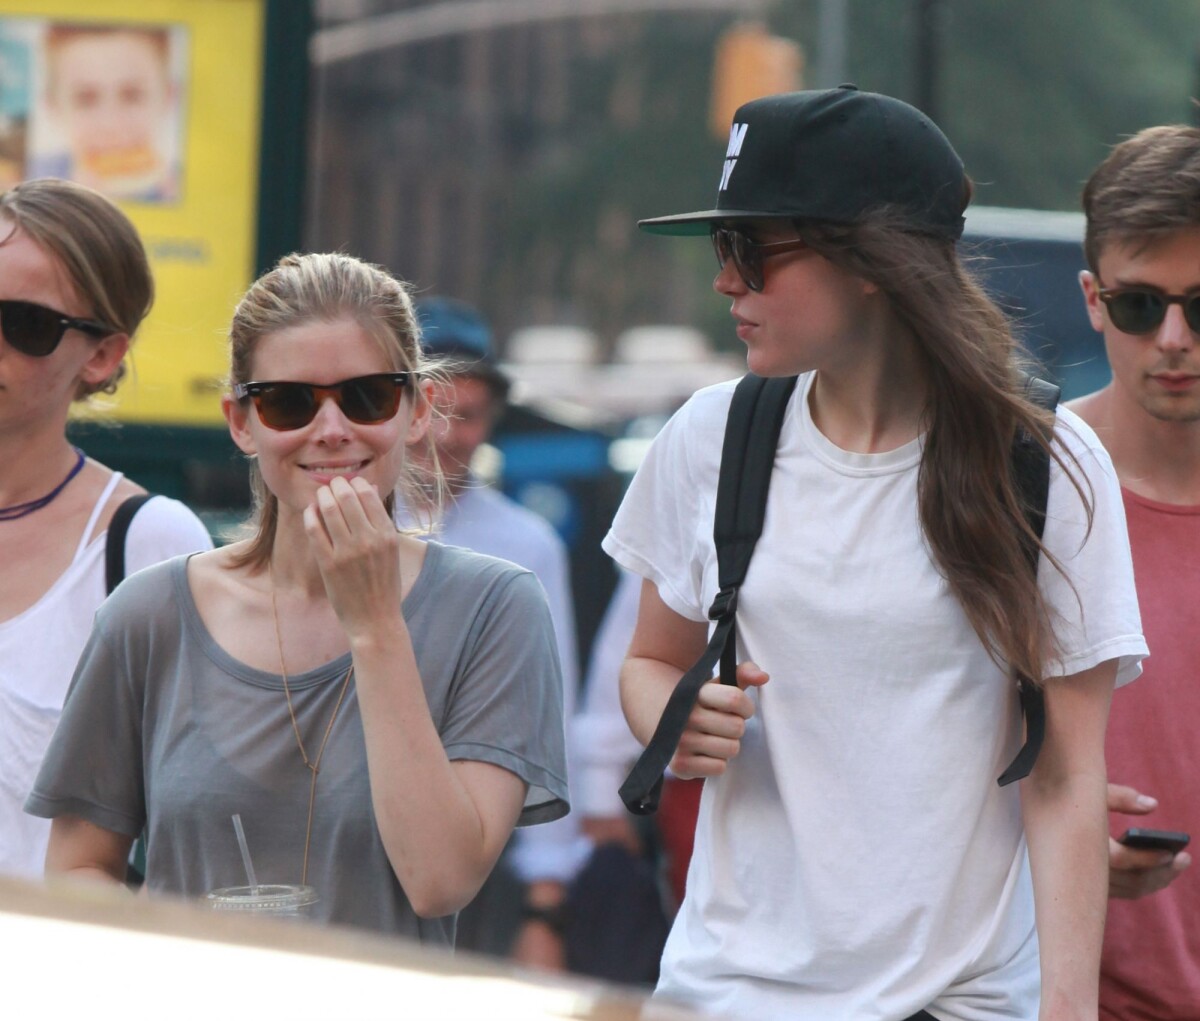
[314, 765]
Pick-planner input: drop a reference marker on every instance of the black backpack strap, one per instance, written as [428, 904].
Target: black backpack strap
[114, 574]
[752, 429]
[114, 542]
[1031, 472]
[751, 438]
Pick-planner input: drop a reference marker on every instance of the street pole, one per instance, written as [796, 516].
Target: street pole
[930, 17]
[832, 33]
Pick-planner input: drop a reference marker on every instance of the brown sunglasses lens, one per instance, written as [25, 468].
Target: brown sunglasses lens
[366, 400]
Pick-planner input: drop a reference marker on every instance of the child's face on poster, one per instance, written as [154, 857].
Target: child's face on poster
[111, 92]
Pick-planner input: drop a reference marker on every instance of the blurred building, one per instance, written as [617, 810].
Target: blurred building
[507, 166]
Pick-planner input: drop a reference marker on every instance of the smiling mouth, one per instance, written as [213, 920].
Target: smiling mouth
[332, 470]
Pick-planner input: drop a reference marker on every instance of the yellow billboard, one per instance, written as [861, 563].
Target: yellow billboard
[156, 103]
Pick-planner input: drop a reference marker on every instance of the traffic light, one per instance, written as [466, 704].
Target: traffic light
[749, 63]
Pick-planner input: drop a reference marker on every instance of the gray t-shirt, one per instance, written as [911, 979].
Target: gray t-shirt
[163, 729]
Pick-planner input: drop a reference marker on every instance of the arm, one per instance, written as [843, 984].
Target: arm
[665, 644]
[442, 824]
[1063, 805]
[1133, 873]
[81, 849]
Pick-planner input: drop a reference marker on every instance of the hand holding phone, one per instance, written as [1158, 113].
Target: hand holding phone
[1142, 861]
[1141, 839]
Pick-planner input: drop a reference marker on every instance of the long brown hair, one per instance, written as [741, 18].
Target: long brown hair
[970, 508]
[328, 288]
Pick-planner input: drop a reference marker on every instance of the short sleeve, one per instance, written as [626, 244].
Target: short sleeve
[507, 707]
[162, 529]
[663, 528]
[1093, 599]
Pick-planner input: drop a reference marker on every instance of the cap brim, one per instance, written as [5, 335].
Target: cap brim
[693, 224]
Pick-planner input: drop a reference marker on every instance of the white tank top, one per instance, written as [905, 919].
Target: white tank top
[38, 651]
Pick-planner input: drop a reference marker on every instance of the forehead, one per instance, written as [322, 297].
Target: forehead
[318, 351]
[1166, 261]
[461, 390]
[30, 272]
[131, 50]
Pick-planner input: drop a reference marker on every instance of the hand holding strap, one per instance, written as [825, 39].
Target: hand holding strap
[752, 430]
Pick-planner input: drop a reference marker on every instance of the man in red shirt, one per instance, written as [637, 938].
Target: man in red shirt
[1142, 291]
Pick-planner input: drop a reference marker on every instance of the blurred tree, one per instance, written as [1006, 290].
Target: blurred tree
[508, 167]
[1032, 93]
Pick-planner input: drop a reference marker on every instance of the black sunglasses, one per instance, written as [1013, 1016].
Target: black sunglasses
[748, 255]
[367, 400]
[36, 330]
[1141, 310]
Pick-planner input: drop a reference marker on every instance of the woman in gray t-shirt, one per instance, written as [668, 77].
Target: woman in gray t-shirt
[380, 712]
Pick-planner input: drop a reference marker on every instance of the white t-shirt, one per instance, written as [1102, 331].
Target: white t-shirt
[858, 860]
[40, 647]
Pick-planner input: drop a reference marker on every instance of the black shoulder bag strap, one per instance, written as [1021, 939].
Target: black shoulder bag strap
[114, 542]
[751, 435]
[1031, 472]
[114, 574]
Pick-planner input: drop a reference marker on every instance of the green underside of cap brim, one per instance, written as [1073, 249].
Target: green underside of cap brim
[696, 224]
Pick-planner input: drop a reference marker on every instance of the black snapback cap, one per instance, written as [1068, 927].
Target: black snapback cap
[833, 155]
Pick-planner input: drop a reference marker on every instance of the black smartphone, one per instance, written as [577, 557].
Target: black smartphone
[1154, 840]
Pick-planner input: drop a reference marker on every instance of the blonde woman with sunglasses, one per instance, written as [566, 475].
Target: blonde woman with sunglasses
[379, 711]
[74, 287]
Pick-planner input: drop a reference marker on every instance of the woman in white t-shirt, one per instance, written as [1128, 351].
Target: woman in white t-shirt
[855, 857]
[74, 287]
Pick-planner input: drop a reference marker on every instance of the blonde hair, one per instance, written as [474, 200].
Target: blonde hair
[97, 246]
[328, 288]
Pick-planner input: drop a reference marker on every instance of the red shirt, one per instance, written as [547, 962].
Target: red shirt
[1150, 970]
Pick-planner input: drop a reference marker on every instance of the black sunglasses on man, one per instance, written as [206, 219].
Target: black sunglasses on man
[36, 330]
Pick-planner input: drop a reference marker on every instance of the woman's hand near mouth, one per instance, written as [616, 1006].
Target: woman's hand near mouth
[357, 546]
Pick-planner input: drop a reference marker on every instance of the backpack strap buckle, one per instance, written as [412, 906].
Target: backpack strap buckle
[724, 605]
